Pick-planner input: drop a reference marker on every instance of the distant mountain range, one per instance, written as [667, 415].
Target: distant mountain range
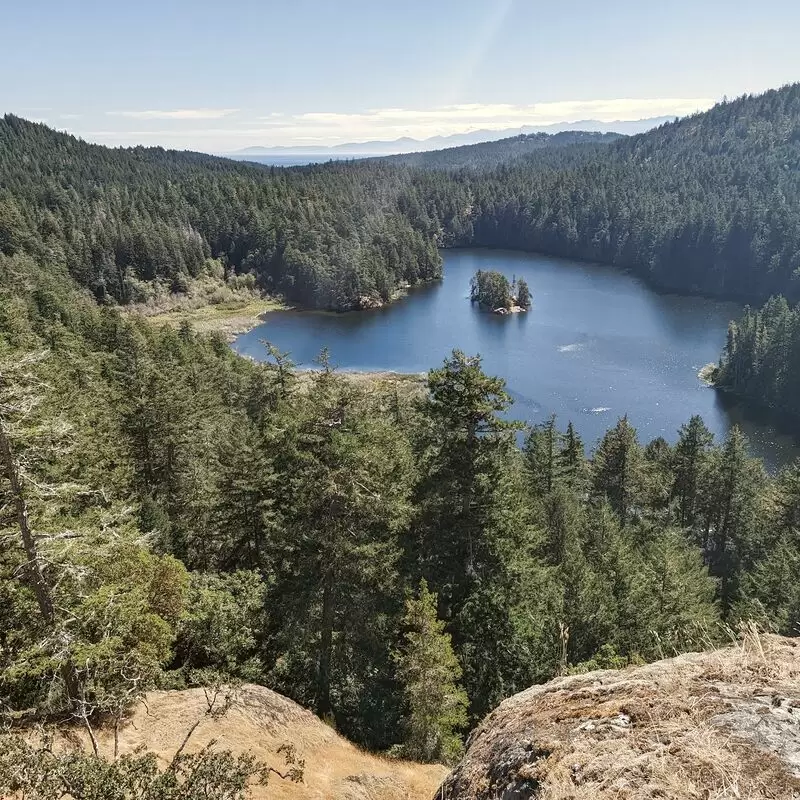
[408, 145]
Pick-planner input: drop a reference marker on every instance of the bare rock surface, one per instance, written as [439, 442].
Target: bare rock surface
[704, 726]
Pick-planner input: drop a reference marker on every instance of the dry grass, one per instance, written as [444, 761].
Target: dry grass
[703, 726]
[260, 721]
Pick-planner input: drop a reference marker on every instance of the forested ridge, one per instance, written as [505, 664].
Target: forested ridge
[707, 204]
[484, 155]
[121, 219]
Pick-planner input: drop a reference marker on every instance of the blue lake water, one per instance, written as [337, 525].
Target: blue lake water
[596, 344]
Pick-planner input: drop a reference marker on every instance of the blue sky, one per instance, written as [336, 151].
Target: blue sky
[218, 76]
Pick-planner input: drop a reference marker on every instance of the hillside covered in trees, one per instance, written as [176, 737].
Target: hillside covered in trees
[761, 361]
[121, 219]
[486, 155]
[707, 204]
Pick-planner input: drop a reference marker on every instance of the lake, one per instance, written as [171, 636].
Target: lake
[597, 343]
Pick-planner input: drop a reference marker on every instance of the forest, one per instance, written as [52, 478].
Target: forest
[173, 515]
[125, 222]
[709, 204]
[193, 514]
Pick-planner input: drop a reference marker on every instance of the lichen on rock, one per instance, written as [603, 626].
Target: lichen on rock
[724, 723]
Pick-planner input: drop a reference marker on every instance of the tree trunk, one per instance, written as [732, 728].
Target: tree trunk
[326, 646]
[33, 568]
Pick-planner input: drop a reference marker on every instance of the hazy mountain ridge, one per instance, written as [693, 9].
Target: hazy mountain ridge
[407, 144]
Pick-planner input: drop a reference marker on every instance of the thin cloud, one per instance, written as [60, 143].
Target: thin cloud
[180, 113]
[383, 124]
[508, 115]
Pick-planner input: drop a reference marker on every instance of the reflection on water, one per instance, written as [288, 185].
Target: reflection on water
[596, 344]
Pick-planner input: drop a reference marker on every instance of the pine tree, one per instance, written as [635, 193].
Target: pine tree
[429, 672]
[616, 468]
[523, 293]
[542, 456]
[468, 536]
[672, 599]
[573, 458]
[730, 532]
[691, 452]
[343, 502]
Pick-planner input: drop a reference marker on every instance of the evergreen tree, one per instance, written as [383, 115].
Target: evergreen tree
[616, 468]
[343, 502]
[523, 293]
[731, 529]
[691, 454]
[573, 458]
[429, 672]
[672, 598]
[542, 456]
[469, 524]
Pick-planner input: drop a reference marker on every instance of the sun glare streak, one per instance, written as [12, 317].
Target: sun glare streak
[477, 53]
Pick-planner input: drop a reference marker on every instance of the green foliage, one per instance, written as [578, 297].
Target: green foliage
[490, 289]
[429, 671]
[617, 468]
[708, 204]
[320, 236]
[199, 514]
[605, 658]
[41, 773]
[220, 632]
[760, 354]
[523, 293]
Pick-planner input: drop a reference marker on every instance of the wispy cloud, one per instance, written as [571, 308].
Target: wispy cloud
[179, 113]
[448, 119]
[70, 116]
[331, 127]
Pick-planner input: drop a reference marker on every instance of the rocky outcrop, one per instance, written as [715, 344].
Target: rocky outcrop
[719, 724]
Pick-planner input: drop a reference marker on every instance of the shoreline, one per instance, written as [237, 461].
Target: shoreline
[633, 271]
[708, 374]
[238, 315]
[231, 318]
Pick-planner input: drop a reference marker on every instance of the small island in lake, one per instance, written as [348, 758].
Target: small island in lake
[492, 291]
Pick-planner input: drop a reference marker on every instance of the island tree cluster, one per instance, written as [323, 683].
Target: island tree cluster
[492, 290]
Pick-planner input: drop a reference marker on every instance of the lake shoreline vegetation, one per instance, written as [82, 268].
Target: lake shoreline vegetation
[208, 303]
[759, 363]
[174, 515]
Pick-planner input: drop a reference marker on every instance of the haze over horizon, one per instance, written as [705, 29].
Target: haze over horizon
[181, 75]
